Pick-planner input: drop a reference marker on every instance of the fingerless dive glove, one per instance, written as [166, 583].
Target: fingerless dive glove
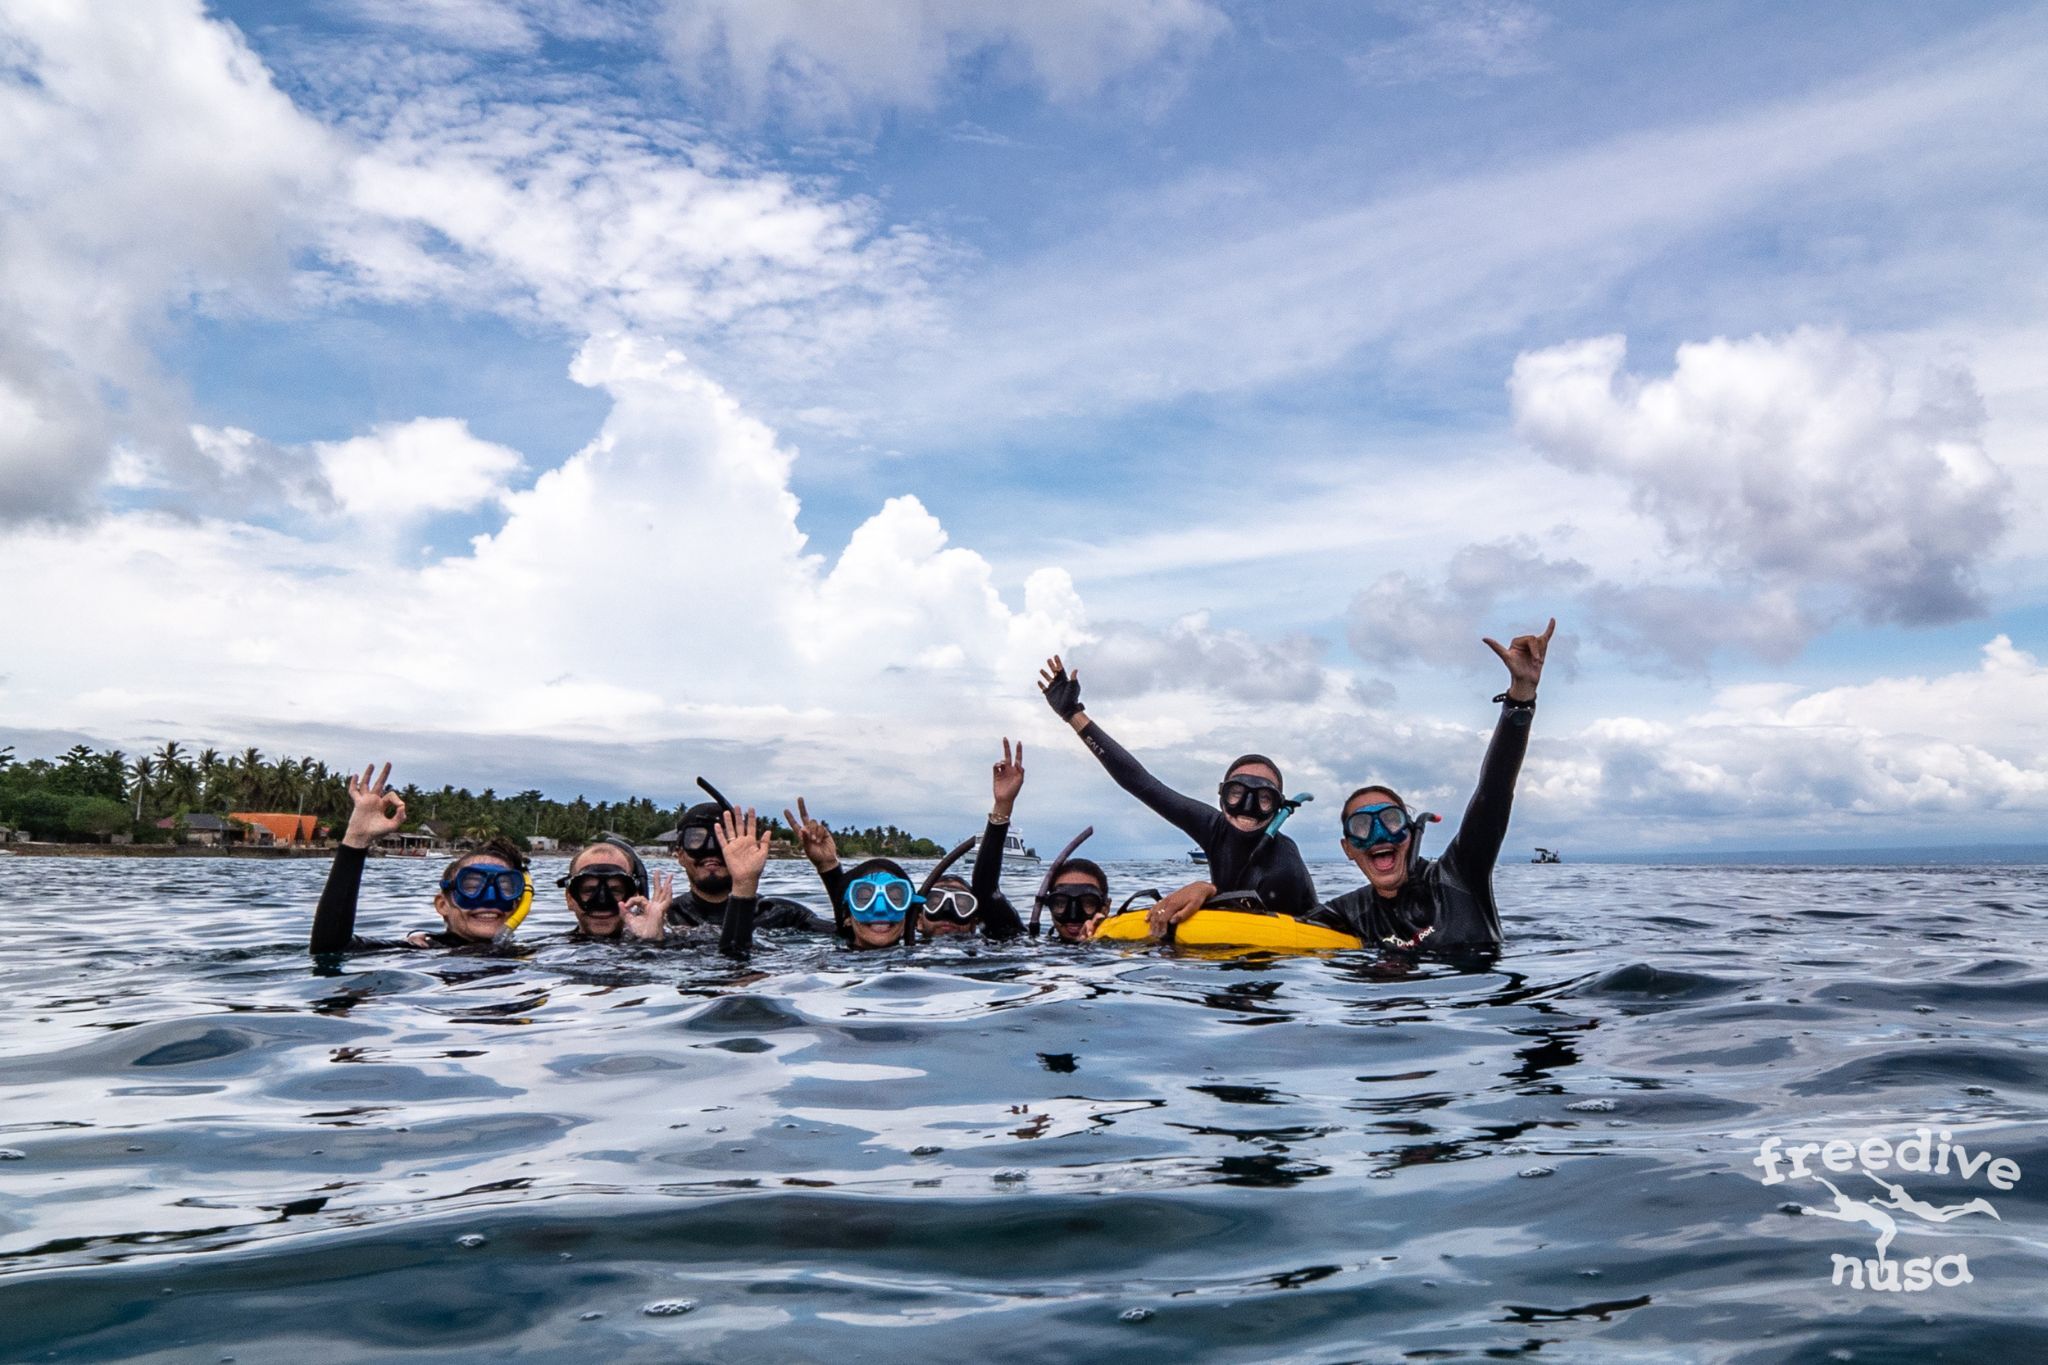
[1063, 695]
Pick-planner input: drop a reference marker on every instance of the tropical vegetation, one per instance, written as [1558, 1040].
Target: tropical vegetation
[88, 795]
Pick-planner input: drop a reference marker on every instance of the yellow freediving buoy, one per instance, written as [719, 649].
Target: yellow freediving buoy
[1231, 929]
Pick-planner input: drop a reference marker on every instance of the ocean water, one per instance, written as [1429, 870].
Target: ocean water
[210, 1149]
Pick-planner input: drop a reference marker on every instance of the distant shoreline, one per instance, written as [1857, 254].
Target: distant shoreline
[37, 850]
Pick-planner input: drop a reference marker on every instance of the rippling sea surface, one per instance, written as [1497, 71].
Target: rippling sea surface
[213, 1149]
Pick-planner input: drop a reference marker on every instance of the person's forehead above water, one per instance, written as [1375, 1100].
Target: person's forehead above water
[1074, 877]
[600, 855]
[1255, 767]
[1371, 796]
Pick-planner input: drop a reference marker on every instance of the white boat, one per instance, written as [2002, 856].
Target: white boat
[1195, 855]
[1013, 849]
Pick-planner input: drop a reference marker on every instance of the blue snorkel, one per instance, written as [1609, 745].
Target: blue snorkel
[1287, 808]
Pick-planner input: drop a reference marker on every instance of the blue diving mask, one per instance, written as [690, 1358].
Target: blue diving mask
[1372, 826]
[488, 886]
[880, 898]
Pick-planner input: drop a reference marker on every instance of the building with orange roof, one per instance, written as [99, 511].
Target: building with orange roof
[272, 828]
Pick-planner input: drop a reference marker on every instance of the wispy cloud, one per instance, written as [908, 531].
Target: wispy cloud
[1455, 38]
[831, 63]
[1253, 291]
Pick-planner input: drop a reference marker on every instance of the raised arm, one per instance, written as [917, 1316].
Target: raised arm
[815, 837]
[1475, 848]
[743, 842]
[378, 811]
[1004, 785]
[1062, 690]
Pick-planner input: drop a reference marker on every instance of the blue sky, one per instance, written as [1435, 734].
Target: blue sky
[791, 377]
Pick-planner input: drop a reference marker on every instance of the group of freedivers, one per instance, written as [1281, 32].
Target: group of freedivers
[1412, 904]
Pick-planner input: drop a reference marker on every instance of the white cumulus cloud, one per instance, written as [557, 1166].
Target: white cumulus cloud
[1804, 463]
[403, 470]
[149, 164]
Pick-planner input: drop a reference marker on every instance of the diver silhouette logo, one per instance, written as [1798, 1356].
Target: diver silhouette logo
[1920, 1153]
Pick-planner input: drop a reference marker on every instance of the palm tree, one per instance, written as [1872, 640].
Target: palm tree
[248, 770]
[180, 778]
[143, 769]
[209, 767]
[291, 783]
[6, 756]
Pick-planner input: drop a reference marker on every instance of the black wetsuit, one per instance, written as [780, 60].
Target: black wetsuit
[334, 922]
[1239, 860]
[999, 918]
[737, 917]
[1451, 896]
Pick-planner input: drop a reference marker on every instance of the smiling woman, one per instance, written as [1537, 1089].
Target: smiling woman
[484, 894]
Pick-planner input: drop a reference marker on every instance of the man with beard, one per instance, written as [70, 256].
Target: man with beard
[702, 907]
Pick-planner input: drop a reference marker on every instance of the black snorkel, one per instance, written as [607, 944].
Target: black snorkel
[716, 795]
[1422, 821]
[1052, 871]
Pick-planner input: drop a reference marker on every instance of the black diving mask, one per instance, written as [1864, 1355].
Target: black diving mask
[1247, 795]
[602, 889]
[1077, 906]
[698, 841]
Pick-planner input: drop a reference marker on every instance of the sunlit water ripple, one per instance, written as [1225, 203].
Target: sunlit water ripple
[1006, 1153]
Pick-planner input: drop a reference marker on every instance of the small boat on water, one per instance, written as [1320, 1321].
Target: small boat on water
[1547, 855]
[1195, 855]
[1013, 850]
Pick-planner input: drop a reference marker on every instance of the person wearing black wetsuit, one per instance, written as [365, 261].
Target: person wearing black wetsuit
[1242, 855]
[878, 915]
[471, 920]
[607, 885]
[1443, 904]
[702, 907]
[983, 906]
[741, 851]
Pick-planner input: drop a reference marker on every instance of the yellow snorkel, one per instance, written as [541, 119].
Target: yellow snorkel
[525, 904]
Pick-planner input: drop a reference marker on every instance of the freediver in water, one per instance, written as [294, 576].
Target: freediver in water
[606, 882]
[484, 893]
[700, 848]
[1075, 899]
[1443, 904]
[952, 906]
[741, 852]
[871, 901]
[1239, 834]
[875, 904]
